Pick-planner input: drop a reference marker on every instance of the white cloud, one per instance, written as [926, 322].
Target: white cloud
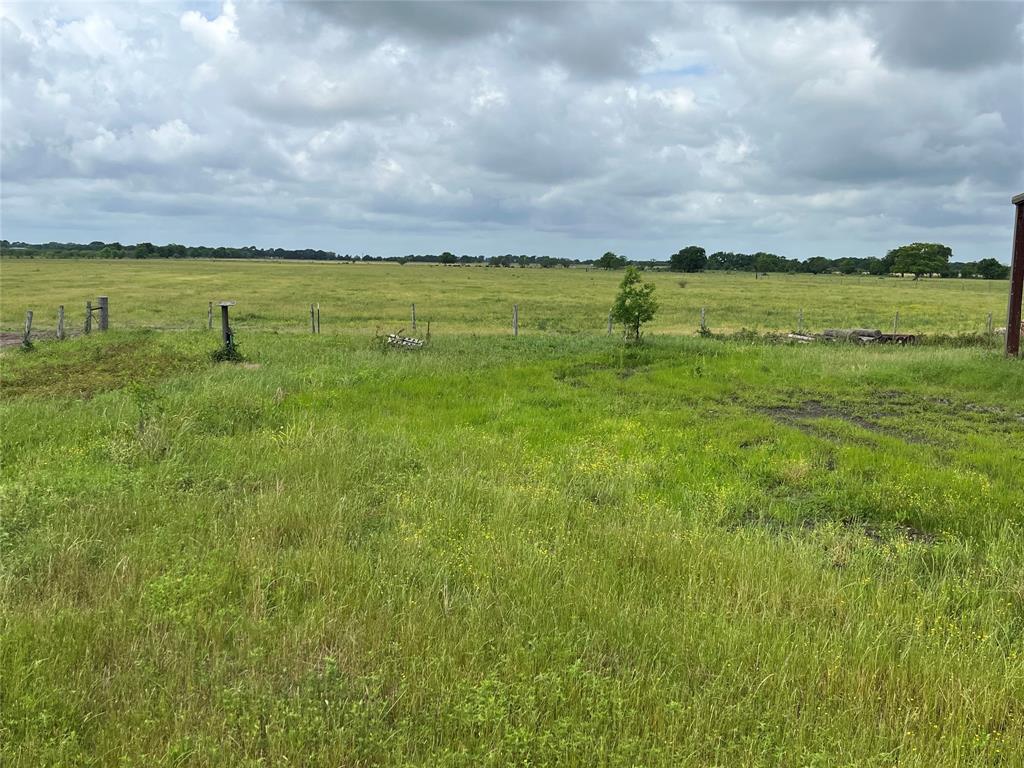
[217, 34]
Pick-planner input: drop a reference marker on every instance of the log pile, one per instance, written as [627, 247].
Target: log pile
[856, 335]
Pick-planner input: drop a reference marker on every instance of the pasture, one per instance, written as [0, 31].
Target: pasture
[544, 550]
[275, 296]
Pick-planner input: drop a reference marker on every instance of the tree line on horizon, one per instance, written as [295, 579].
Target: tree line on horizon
[916, 258]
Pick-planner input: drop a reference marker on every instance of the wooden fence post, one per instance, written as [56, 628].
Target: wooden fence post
[60, 322]
[28, 329]
[312, 318]
[428, 330]
[318, 318]
[414, 316]
[703, 320]
[88, 316]
[209, 317]
[515, 319]
[800, 321]
[1016, 297]
[104, 313]
[896, 323]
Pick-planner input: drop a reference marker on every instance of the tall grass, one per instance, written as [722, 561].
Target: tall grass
[495, 551]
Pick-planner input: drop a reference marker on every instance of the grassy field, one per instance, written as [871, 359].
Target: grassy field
[550, 550]
[361, 297]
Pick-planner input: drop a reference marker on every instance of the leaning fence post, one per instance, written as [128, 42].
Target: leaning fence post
[88, 316]
[60, 322]
[515, 319]
[28, 329]
[414, 316]
[104, 313]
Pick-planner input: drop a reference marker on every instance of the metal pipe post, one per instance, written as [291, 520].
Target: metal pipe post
[225, 329]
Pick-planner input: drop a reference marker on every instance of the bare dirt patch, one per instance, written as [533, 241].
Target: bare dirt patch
[874, 532]
[803, 416]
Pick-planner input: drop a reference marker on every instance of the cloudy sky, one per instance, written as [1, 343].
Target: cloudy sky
[805, 129]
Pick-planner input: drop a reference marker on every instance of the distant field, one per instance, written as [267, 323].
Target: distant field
[550, 550]
[361, 297]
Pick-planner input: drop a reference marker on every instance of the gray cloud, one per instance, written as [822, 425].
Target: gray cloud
[949, 35]
[800, 128]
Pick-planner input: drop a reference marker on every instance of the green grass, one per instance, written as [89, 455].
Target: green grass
[550, 550]
[361, 297]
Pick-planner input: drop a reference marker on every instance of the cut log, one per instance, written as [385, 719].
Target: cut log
[849, 333]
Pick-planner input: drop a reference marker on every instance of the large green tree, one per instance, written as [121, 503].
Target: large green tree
[610, 261]
[693, 258]
[635, 304]
[920, 258]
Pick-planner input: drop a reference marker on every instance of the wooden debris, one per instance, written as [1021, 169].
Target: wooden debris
[859, 334]
[404, 342]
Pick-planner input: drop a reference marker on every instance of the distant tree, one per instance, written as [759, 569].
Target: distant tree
[990, 269]
[693, 258]
[768, 262]
[846, 266]
[610, 261]
[818, 264]
[144, 250]
[635, 304]
[447, 258]
[874, 266]
[920, 258]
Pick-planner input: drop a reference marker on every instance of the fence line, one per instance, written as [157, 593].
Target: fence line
[102, 309]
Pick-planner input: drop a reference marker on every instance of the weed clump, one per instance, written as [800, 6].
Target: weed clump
[227, 354]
